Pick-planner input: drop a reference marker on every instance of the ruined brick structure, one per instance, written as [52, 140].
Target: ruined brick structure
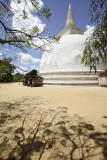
[32, 79]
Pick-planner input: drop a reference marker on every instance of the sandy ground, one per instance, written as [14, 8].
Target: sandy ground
[16, 100]
[87, 102]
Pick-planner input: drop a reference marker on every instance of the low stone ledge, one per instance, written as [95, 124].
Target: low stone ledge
[102, 81]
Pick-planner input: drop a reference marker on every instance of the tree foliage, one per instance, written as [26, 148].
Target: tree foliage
[18, 77]
[6, 70]
[32, 37]
[22, 37]
[96, 45]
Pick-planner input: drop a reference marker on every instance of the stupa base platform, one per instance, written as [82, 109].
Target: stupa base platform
[73, 78]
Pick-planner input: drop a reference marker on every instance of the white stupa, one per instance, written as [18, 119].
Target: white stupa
[62, 65]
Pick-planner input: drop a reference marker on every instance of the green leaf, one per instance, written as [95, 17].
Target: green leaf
[19, 1]
[57, 38]
[6, 34]
[46, 13]
[35, 29]
[25, 14]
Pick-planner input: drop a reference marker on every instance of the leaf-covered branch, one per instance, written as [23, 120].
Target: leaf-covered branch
[25, 37]
[96, 45]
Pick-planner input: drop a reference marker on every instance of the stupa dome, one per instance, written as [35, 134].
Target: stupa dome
[65, 55]
[61, 65]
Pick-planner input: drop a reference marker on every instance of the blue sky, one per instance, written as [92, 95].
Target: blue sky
[59, 10]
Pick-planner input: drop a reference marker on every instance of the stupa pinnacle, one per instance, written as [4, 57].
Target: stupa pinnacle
[70, 17]
[70, 27]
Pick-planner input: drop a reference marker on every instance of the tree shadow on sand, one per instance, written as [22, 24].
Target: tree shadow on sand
[53, 135]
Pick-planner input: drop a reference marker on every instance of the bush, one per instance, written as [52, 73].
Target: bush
[18, 77]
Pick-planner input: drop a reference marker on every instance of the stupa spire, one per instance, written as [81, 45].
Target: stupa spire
[70, 17]
[70, 27]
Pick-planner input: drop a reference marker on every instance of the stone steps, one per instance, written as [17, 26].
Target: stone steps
[60, 76]
[83, 83]
[82, 78]
[69, 73]
[70, 78]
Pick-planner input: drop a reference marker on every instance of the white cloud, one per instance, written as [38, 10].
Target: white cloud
[18, 22]
[29, 68]
[1, 54]
[29, 23]
[25, 5]
[89, 30]
[34, 67]
[28, 59]
[23, 71]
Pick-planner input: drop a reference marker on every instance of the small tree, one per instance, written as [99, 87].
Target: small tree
[18, 77]
[96, 44]
[6, 70]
